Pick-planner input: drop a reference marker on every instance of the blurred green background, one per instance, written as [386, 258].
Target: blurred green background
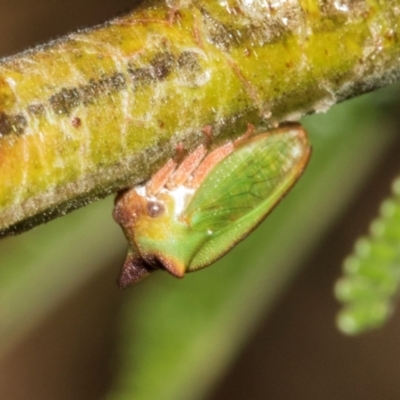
[259, 324]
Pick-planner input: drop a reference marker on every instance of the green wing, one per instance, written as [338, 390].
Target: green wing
[260, 170]
[244, 187]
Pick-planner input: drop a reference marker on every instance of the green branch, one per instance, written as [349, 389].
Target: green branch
[102, 109]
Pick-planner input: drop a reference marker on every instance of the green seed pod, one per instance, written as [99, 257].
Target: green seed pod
[372, 272]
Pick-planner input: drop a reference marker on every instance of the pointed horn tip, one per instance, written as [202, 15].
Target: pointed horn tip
[175, 269]
[133, 271]
[178, 274]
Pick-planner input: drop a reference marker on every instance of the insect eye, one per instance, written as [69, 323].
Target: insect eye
[154, 209]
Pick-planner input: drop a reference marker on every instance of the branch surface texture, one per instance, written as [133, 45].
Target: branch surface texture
[103, 108]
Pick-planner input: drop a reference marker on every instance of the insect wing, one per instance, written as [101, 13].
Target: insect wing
[258, 172]
[243, 188]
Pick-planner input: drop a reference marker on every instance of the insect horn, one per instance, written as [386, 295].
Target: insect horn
[134, 270]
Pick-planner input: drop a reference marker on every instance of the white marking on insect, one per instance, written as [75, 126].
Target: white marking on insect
[180, 196]
[296, 151]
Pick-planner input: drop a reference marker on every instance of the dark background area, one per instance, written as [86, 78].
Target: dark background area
[296, 353]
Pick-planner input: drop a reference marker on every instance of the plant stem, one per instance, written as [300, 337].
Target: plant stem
[101, 109]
